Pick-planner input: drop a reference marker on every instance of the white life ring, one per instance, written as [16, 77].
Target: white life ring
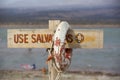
[62, 56]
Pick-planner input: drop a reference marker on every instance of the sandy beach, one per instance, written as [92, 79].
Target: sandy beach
[38, 75]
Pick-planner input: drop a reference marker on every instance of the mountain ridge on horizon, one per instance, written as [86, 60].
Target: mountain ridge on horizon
[75, 15]
[65, 7]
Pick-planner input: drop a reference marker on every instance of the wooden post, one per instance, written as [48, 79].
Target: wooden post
[53, 24]
[51, 69]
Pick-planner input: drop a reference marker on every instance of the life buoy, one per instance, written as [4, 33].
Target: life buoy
[62, 56]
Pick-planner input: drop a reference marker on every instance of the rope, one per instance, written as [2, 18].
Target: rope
[58, 76]
[53, 63]
[58, 71]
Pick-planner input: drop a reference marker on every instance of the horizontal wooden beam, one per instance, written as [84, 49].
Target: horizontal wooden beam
[42, 38]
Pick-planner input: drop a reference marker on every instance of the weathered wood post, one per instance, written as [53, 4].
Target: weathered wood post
[51, 69]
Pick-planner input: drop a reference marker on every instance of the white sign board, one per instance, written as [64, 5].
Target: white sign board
[42, 38]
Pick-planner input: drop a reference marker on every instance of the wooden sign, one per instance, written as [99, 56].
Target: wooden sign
[42, 38]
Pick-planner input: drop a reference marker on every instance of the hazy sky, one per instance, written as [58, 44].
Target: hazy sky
[51, 3]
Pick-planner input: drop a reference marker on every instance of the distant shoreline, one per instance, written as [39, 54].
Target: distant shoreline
[73, 26]
[90, 73]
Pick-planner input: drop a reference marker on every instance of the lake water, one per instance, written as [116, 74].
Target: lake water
[106, 59]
